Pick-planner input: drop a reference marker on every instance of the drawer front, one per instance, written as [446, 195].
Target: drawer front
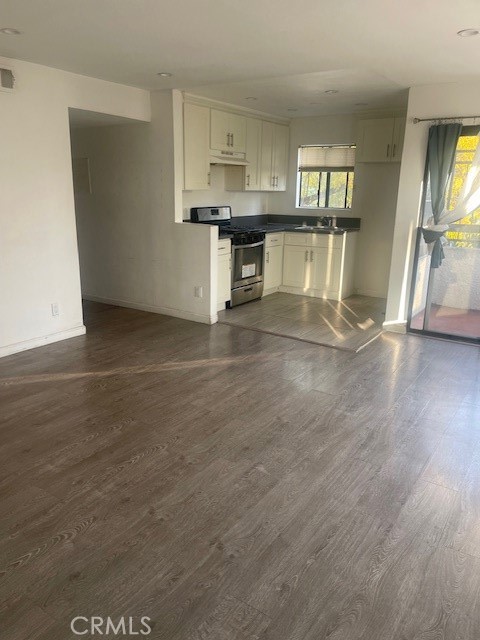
[299, 239]
[224, 246]
[303, 239]
[327, 240]
[274, 240]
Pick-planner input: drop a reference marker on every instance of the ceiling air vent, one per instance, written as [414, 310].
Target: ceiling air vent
[7, 79]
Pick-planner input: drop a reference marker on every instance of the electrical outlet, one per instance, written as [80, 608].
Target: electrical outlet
[198, 292]
[55, 309]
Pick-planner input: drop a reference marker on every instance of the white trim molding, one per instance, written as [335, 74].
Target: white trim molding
[33, 343]
[233, 108]
[166, 311]
[395, 326]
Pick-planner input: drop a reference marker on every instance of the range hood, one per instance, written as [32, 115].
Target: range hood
[217, 156]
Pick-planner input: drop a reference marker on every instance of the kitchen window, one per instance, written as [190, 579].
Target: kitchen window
[325, 176]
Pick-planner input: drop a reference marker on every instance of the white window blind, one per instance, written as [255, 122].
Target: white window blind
[326, 158]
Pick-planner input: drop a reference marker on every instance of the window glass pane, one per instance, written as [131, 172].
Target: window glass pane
[338, 186]
[326, 189]
[309, 188]
[350, 189]
[463, 158]
[323, 190]
[465, 232]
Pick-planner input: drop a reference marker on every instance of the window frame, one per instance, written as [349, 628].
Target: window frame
[328, 171]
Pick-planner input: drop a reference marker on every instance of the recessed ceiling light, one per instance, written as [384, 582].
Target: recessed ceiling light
[250, 98]
[467, 33]
[164, 74]
[292, 109]
[330, 91]
[8, 31]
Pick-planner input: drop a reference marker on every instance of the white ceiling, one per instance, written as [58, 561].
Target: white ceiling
[284, 52]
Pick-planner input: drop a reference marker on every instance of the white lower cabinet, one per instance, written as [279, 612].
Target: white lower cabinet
[319, 265]
[295, 267]
[224, 278]
[273, 263]
[272, 278]
[325, 269]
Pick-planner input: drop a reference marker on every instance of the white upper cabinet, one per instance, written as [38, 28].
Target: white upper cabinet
[273, 171]
[228, 131]
[266, 156]
[398, 136]
[196, 138]
[280, 156]
[253, 157]
[264, 144]
[380, 140]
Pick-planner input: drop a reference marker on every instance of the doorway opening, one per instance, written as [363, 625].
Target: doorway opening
[109, 165]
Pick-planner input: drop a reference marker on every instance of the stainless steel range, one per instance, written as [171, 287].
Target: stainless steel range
[248, 245]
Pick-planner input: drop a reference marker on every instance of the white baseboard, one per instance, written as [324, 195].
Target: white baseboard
[312, 293]
[33, 343]
[371, 293]
[167, 311]
[395, 327]
[268, 292]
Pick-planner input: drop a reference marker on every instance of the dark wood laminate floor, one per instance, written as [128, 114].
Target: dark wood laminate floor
[234, 485]
[349, 325]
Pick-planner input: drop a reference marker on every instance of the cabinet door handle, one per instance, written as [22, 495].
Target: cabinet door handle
[311, 256]
[273, 181]
[394, 150]
[248, 180]
[232, 138]
[268, 257]
[388, 150]
[208, 178]
[306, 255]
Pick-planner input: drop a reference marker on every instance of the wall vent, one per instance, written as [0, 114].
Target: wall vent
[7, 79]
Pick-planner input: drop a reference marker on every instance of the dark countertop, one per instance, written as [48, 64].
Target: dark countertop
[276, 222]
[295, 228]
[292, 228]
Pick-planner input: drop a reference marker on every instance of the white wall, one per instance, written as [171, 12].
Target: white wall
[132, 251]
[374, 197]
[424, 102]
[374, 201]
[242, 203]
[38, 249]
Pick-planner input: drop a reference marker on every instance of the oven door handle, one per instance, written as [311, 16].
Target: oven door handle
[248, 246]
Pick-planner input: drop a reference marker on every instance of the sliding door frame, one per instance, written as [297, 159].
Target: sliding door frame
[427, 332]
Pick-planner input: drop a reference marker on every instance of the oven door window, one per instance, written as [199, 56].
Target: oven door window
[247, 265]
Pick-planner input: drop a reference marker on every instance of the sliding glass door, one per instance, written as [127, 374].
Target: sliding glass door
[446, 296]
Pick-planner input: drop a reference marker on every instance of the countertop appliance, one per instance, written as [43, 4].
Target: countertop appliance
[248, 245]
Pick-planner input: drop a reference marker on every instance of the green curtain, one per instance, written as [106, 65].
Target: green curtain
[442, 143]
